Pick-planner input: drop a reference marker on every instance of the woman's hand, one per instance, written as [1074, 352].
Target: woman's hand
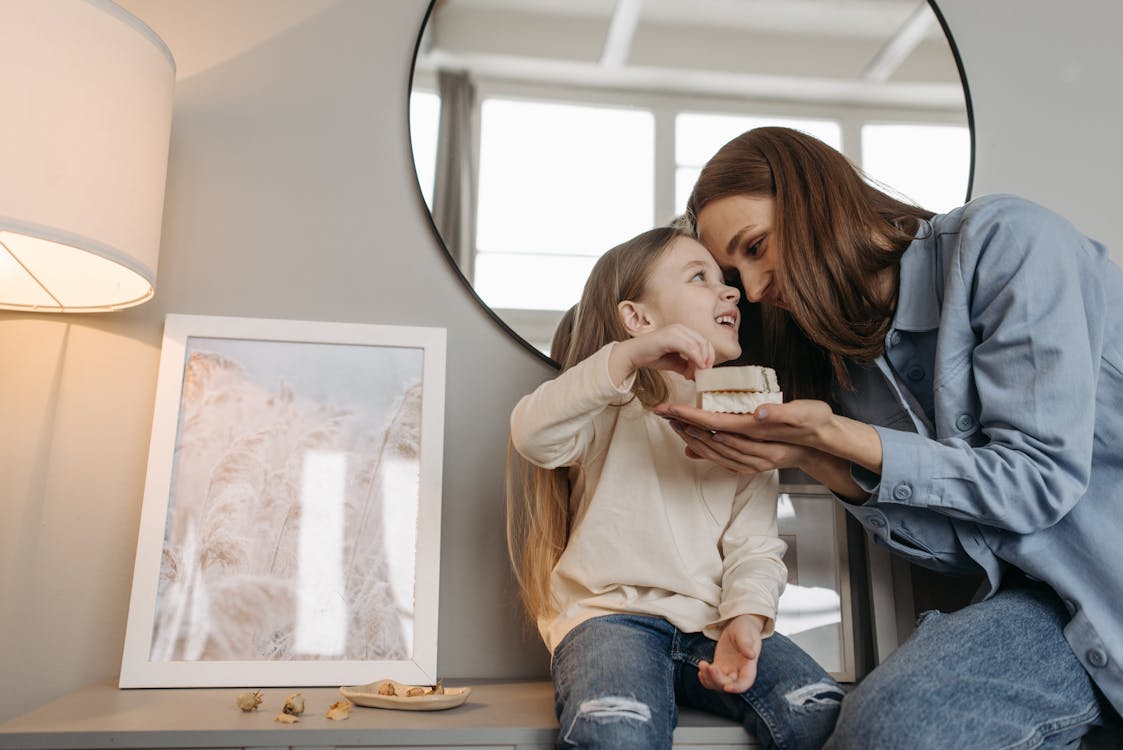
[799, 434]
[733, 669]
[676, 347]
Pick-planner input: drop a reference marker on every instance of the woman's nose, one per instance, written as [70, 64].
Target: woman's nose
[754, 287]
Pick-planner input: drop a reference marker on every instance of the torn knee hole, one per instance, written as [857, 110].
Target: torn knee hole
[816, 694]
[612, 708]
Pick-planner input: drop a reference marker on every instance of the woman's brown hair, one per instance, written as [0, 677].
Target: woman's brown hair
[838, 238]
[538, 511]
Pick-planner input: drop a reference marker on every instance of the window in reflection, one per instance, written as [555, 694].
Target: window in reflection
[559, 184]
[424, 116]
[698, 136]
[927, 164]
[563, 178]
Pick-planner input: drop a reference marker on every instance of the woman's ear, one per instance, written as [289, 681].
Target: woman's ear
[635, 317]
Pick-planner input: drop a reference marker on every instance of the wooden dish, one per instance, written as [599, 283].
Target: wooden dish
[368, 695]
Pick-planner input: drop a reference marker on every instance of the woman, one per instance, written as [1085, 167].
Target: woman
[957, 381]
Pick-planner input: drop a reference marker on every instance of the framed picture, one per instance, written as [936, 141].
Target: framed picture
[815, 608]
[290, 527]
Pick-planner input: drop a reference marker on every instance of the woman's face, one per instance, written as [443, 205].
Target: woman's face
[736, 230]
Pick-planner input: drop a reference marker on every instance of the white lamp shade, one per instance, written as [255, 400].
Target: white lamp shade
[87, 95]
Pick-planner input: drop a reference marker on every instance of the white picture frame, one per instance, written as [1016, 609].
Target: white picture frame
[290, 526]
[815, 608]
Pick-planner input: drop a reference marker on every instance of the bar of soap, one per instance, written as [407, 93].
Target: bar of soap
[737, 390]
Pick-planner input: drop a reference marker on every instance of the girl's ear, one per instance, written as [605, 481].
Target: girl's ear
[635, 317]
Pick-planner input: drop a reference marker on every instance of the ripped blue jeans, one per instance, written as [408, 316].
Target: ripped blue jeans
[617, 679]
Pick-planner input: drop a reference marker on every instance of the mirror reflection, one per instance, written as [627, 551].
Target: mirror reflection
[546, 131]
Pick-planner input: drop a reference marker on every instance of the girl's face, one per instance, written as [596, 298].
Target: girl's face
[686, 286]
[736, 230]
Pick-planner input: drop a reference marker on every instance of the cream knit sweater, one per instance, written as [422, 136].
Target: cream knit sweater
[652, 532]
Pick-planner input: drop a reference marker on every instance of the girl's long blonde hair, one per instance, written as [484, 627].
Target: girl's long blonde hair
[538, 500]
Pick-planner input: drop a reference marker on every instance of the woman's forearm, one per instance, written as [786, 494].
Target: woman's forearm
[856, 442]
[838, 444]
[833, 473]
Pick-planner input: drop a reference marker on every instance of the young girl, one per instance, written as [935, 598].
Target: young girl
[652, 577]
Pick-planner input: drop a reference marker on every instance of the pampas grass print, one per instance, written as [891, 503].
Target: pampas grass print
[229, 571]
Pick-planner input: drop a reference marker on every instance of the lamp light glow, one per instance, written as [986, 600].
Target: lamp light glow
[84, 147]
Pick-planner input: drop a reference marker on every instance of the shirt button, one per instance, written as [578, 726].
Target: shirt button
[877, 521]
[894, 338]
[964, 422]
[1097, 657]
[902, 491]
[916, 374]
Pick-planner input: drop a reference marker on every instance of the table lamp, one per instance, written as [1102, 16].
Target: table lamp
[87, 109]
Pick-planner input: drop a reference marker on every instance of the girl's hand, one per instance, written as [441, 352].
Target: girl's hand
[676, 347]
[733, 669]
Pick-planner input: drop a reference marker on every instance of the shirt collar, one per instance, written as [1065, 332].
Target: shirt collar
[918, 299]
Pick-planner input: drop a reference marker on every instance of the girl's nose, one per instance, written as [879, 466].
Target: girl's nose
[731, 293]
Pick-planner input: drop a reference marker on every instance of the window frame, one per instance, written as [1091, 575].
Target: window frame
[665, 107]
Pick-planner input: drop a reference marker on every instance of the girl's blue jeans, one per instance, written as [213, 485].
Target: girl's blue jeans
[617, 679]
[995, 674]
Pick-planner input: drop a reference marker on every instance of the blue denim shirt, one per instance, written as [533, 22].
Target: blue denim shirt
[999, 404]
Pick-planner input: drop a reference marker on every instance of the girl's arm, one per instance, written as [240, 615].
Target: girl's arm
[752, 579]
[753, 570]
[554, 425]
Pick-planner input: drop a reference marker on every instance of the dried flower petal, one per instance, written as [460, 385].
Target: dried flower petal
[294, 705]
[249, 701]
[339, 710]
[285, 718]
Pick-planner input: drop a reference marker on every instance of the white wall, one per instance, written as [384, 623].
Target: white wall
[1044, 79]
[291, 195]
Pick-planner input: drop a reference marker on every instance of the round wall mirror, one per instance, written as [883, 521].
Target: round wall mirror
[546, 131]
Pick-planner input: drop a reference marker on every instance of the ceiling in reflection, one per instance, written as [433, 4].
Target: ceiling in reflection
[858, 51]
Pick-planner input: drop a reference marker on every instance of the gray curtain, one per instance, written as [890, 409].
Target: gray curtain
[454, 186]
